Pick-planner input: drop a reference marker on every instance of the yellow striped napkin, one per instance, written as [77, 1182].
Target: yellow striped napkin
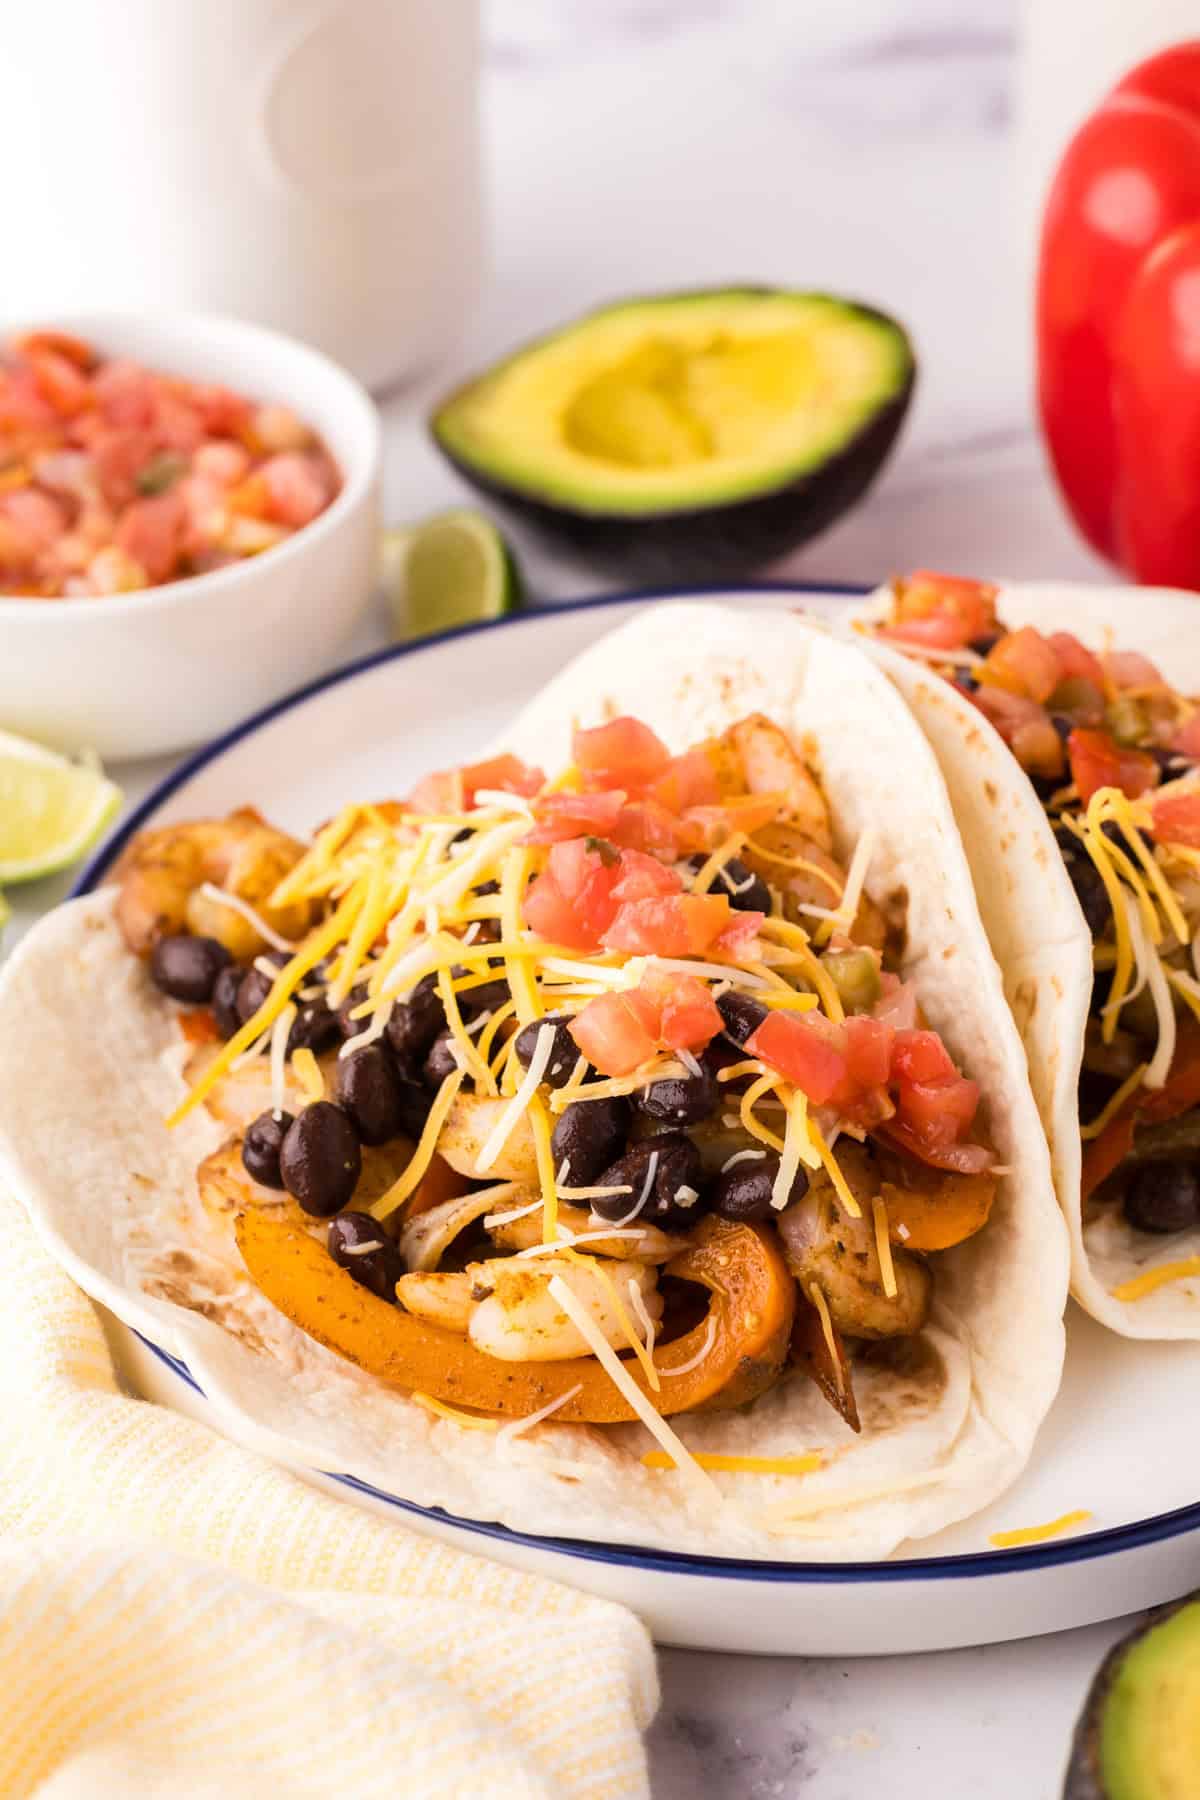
[179, 1617]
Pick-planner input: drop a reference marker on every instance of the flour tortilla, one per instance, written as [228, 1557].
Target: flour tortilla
[1035, 923]
[89, 1064]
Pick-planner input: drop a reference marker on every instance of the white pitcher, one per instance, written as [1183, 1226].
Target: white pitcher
[313, 166]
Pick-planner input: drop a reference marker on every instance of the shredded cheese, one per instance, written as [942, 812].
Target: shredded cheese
[1113, 1105]
[805, 1464]
[516, 1108]
[689, 1469]
[817, 1298]
[539, 1125]
[513, 881]
[469, 1058]
[693, 1362]
[635, 1343]
[517, 1427]
[754, 1126]
[279, 1037]
[469, 1421]
[235, 903]
[709, 870]
[1152, 1279]
[883, 1247]
[856, 876]
[798, 1148]
[422, 1156]
[829, 1162]
[649, 1328]
[308, 1073]
[838, 1500]
[1038, 1534]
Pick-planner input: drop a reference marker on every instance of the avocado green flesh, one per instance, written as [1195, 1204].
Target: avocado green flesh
[1149, 1731]
[681, 403]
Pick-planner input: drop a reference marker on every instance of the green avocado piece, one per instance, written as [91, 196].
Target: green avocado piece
[1138, 1737]
[690, 434]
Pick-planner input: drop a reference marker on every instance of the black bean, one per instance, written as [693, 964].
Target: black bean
[321, 1160]
[256, 984]
[347, 1025]
[1171, 763]
[966, 681]
[744, 1191]
[360, 1245]
[678, 1168]
[368, 1087]
[1118, 836]
[224, 999]
[742, 1015]
[1086, 880]
[564, 1053]
[589, 1135]
[745, 892]
[187, 967]
[414, 1101]
[1162, 1197]
[987, 640]
[1063, 723]
[682, 1101]
[440, 1062]
[261, 1147]
[483, 889]
[314, 1028]
[484, 998]
[415, 1022]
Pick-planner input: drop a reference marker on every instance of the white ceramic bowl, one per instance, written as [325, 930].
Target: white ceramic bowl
[138, 674]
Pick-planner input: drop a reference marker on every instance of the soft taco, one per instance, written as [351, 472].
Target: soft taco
[624, 1137]
[1064, 722]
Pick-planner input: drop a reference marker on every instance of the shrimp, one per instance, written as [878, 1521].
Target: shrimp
[440, 1299]
[517, 1319]
[469, 1124]
[824, 1245]
[164, 871]
[650, 1245]
[770, 765]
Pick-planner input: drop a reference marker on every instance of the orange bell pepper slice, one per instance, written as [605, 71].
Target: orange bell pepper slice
[753, 1298]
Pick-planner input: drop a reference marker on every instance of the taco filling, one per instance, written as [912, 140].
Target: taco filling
[597, 1096]
[1113, 752]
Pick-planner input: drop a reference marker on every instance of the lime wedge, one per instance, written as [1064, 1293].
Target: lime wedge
[50, 809]
[452, 569]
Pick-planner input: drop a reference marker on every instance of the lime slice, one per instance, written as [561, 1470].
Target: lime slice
[50, 809]
[452, 569]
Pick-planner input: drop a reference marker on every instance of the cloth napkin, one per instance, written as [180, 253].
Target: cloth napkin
[181, 1618]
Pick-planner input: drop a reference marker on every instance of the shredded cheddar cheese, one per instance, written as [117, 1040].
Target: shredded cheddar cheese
[469, 1421]
[1150, 1280]
[309, 1073]
[422, 1156]
[1038, 1534]
[806, 1464]
[1113, 1105]
[883, 1247]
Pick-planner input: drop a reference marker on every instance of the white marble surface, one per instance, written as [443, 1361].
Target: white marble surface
[636, 144]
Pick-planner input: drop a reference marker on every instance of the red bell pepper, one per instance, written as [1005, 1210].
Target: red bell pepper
[1118, 320]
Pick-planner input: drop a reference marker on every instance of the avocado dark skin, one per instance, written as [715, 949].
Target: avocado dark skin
[720, 539]
[1130, 1714]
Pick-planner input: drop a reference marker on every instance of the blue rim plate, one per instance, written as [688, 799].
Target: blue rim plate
[1084, 1547]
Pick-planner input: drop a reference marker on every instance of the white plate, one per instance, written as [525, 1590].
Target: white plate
[1117, 1442]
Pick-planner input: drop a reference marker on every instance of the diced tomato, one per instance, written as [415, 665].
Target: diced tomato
[501, 774]
[1098, 761]
[921, 1056]
[690, 780]
[619, 1032]
[624, 753]
[612, 1034]
[744, 812]
[942, 611]
[562, 816]
[1039, 749]
[1024, 663]
[738, 936]
[126, 394]
[688, 1018]
[441, 791]
[1130, 669]
[39, 517]
[224, 413]
[60, 381]
[869, 1044]
[118, 453]
[1187, 739]
[296, 488]
[897, 1006]
[62, 343]
[938, 1113]
[673, 925]
[1075, 661]
[1008, 712]
[964, 1159]
[647, 826]
[1175, 815]
[804, 1049]
[571, 901]
[151, 531]
[642, 877]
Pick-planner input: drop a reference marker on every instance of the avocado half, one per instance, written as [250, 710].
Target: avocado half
[1138, 1737]
[686, 436]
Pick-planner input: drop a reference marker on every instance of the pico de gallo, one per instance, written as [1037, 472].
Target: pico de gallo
[1113, 751]
[600, 1096]
[115, 477]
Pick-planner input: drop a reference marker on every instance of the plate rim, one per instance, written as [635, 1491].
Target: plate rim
[1087, 1546]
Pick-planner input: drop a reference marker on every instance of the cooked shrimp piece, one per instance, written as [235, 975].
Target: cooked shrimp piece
[469, 1123]
[650, 1246]
[771, 765]
[164, 872]
[441, 1299]
[824, 1245]
[517, 1318]
[807, 875]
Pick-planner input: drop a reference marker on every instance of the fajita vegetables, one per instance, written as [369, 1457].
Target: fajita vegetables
[597, 1109]
[1110, 743]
